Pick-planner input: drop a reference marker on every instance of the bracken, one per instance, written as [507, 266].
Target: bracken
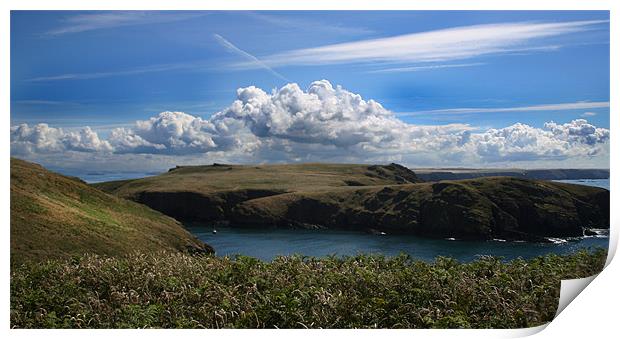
[175, 290]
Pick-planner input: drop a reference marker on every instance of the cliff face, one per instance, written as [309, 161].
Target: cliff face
[507, 208]
[377, 198]
[194, 206]
[56, 216]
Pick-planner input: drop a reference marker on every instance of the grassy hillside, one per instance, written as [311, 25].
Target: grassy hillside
[277, 178]
[371, 198]
[56, 216]
[181, 291]
[435, 174]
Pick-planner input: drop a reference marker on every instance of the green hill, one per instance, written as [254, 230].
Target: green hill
[370, 198]
[275, 178]
[210, 193]
[430, 174]
[57, 216]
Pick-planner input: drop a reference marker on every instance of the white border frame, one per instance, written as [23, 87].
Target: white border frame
[591, 314]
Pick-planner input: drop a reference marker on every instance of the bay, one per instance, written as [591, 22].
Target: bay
[266, 244]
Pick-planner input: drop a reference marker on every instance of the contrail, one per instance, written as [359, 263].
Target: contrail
[228, 45]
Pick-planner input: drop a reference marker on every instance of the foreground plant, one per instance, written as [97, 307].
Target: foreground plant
[175, 290]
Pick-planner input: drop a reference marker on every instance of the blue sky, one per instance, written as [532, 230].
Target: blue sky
[486, 70]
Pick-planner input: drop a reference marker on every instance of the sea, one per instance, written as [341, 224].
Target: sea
[267, 244]
[603, 183]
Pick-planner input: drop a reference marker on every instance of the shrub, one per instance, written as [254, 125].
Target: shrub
[173, 290]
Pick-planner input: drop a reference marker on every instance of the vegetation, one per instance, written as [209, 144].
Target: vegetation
[434, 174]
[82, 258]
[371, 198]
[56, 216]
[176, 290]
[277, 178]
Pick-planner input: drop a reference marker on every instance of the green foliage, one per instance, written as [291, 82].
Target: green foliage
[176, 290]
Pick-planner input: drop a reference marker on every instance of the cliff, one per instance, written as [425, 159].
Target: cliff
[375, 198]
[500, 207]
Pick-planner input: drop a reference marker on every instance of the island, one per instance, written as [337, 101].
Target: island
[379, 199]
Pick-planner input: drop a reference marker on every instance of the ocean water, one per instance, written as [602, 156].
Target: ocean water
[603, 183]
[270, 243]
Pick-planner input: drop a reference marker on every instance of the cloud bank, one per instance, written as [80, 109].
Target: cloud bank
[41, 138]
[322, 123]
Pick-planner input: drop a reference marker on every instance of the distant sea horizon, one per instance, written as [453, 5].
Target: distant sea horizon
[92, 177]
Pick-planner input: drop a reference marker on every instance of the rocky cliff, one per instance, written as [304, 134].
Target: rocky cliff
[507, 208]
[375, 198]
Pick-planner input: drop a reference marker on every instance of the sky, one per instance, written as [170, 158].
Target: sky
[143, 91]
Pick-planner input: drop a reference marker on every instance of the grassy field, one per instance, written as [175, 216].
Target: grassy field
[279, 178]
[436, 174]
[176, 290]
[56, 216]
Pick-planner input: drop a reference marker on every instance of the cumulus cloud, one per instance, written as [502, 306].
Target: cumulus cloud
[322, 123]
[521, 142]
[323, 115]
[41, 138]
[579, 132]
[168, 132]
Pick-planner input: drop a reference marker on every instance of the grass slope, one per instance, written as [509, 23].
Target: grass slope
[278, 178]
[56, 216]
[182, 291]
[436, 174]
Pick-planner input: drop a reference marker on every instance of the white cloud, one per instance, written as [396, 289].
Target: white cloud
[579, 131]
[434, 46]
[521, 142]
[41, 138]
[140, 70]
[322, 123]
[588, 114]
[231, 47]
[423, 68]
[535, 108]
[104, 20]
[300, 24]
[168, 132]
